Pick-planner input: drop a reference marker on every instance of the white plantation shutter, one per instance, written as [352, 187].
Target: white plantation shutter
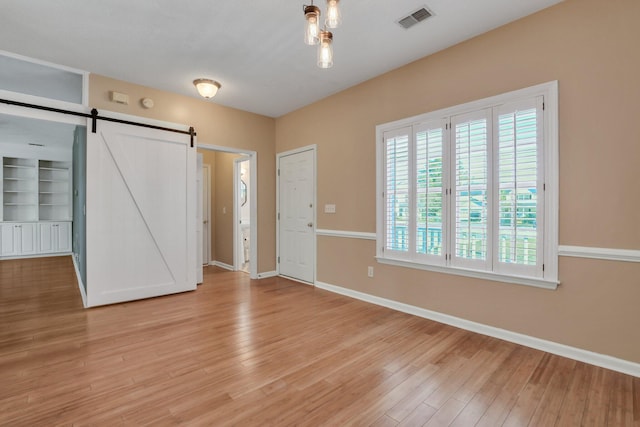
[397, 189]
[519, 173]
[471, 190]
[430, 182]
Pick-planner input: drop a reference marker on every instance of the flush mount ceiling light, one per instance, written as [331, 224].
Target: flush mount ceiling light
[314, 35]
[207, 88]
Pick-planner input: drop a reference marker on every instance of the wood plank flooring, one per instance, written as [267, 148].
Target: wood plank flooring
[272, 352]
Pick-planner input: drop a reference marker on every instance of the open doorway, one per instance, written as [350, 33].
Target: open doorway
[242, 213]
[233, 207]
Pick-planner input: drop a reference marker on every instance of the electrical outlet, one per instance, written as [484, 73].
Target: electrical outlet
[370, 271]
[330, 209]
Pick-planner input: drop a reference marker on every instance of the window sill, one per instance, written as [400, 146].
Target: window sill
[518, 280]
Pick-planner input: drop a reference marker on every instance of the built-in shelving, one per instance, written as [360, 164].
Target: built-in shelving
[54, 190]
[35, 190]
[19, 189]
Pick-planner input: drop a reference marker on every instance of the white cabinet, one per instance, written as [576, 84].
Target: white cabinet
[18, 239]
[55, 237]
[8, 243]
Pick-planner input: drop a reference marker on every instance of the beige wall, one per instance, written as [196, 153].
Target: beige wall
[224, 207]
[591, 48]
[215, 125]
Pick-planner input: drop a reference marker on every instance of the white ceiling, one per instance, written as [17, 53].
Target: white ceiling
[18, 130]
[254, 48]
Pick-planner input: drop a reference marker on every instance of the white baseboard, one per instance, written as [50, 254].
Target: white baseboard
[293, 279]
[83, 292]
[52, 254]
[222, 265]
[267, 274]
[602, 360]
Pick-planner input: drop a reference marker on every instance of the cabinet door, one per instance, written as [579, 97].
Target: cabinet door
[63, 231]
[46, 237]
[28, 239]
[8, 243]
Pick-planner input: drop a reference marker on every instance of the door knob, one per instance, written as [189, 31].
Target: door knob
[310, 225]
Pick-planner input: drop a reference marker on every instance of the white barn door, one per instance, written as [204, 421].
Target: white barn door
[141, 213]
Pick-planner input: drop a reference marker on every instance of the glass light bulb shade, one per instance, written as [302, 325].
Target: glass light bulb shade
[207, 88]
[312, 27]
[325, 50]
[334, 17]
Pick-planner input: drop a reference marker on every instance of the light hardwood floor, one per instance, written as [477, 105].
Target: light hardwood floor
[272, 352]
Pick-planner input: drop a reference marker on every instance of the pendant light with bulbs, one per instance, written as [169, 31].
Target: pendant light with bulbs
[313, 35]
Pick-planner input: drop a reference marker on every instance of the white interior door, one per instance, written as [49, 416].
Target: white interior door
[296, 189]
[199, 218]
[141, 213]
[206, 216]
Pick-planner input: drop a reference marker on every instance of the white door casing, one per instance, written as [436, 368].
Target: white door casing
[141, 213]
[296, 209]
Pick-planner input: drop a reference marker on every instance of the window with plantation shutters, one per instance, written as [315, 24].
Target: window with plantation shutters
[472, 189]
[519, 177]
[429, 181]
[397, 189]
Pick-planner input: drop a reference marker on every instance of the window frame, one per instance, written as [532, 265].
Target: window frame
[548, 211]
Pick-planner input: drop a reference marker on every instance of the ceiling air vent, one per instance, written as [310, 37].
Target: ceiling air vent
[412, 19]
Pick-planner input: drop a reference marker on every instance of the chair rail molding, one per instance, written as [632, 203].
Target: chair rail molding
[626, 255]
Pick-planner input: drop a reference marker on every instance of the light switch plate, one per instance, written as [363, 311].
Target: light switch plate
[329, 208]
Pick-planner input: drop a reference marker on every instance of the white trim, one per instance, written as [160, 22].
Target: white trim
[222, 265]
[43, 100]
[549, 88]
[238, 249]
[478, 274]
[551, 177]
[33, 113]
[83, 293]
[344, 233]
[267, 274]
[298, 150]
[207, 167]
[293, 279]
[41, 62]
[628, 255]
[141, 120]
[42, 255]
[597, 359]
